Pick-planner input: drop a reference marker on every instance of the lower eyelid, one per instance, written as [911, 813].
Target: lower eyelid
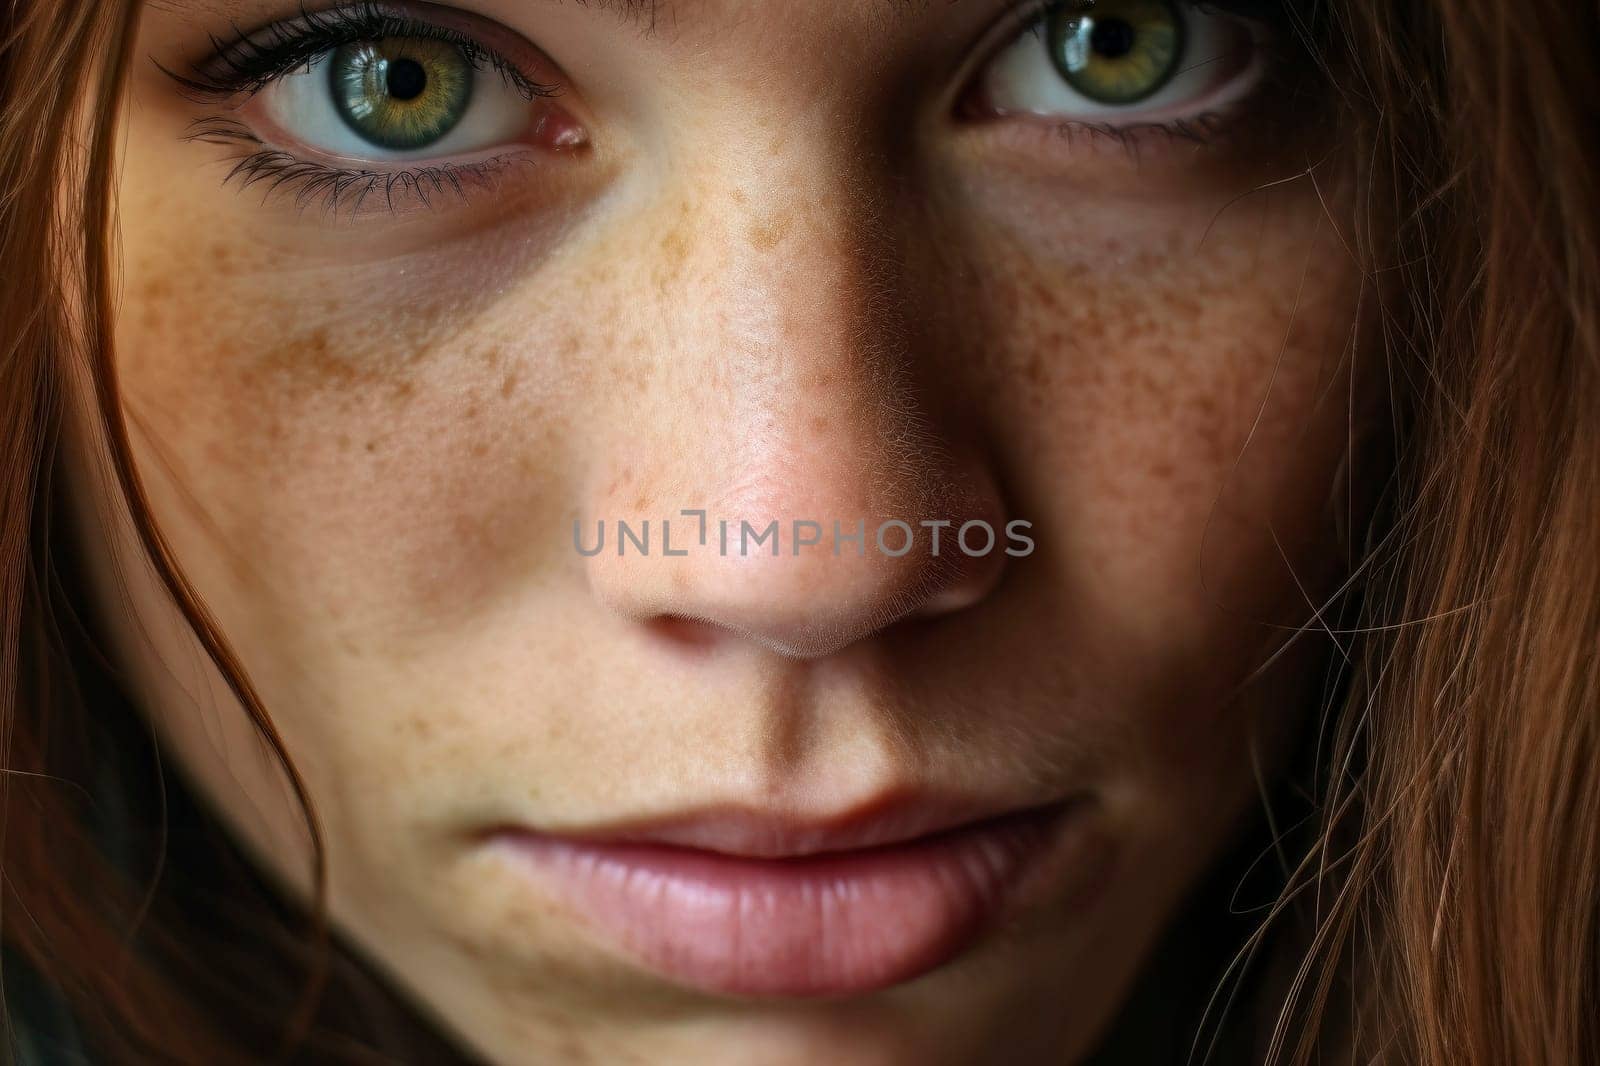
[1234, 88]
[1051, 144]
[305, 178]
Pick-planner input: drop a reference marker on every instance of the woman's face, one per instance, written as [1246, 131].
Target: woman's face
[396, 323]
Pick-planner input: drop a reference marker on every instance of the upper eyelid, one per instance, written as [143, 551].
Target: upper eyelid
[249, 60]
[1030, 15]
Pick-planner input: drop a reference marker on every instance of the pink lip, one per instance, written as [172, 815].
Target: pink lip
[735, 903]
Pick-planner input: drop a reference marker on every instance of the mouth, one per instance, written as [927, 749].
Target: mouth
[745, 904]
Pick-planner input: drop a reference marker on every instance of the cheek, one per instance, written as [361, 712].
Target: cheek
[346, 425]
[1173, 410]
[342, 445]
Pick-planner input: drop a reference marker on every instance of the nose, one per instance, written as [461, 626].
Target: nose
[795, 479]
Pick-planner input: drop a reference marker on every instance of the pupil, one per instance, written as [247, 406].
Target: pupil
[405, 79]
[1112, 38]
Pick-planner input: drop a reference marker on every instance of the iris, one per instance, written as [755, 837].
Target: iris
[1121, 52]
[401, 93]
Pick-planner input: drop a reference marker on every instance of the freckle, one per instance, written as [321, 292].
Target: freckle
[471, 413]
[767, 235]
[641, 503]
[675, 245]
[1043, 295]
[372, 446]
[479, 450]
[156, 289]
[819, 424]
[470, 949]
[674, 254]
[509, 385]
[1035, 372]
[1181, 305]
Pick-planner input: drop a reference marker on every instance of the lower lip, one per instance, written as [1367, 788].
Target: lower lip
[823, 925]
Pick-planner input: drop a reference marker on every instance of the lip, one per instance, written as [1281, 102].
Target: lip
[742, 903]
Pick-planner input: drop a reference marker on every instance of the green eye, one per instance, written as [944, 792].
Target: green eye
[1117, 51]
[401, 92]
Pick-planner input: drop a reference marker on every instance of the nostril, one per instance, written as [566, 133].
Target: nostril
[971, 583]
[685, 632]
[952, 598]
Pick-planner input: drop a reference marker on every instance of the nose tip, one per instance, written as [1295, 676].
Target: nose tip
[811, 590]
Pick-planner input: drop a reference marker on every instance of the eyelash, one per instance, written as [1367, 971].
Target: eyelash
[335, 186]
[250, 62]
[1274, 13]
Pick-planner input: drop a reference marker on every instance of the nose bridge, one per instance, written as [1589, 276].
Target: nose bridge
[788, 330]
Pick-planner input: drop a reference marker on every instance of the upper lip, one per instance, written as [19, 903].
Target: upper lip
[763, 833]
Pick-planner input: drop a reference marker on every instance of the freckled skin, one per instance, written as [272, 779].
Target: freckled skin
[369, 438]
